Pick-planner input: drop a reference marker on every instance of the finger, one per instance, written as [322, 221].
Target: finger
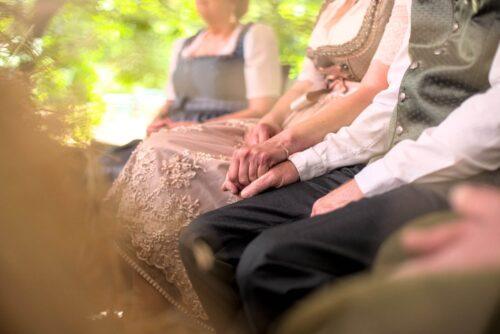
[258, 186]
[229, 186]
[314, 211]
[321, 210]
[476, 201]
[253, 139]
[243, 171]
[252, 169]
[263, 136]
[418, 267]
[248, 139]
[430, 240]
[152, 129]
[232, 173]
[262, 169]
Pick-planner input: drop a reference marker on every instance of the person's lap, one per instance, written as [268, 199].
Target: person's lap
[246, 219]
[279, 254]
[229, 230]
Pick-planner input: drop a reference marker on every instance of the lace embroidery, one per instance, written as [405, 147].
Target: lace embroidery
[186, 129]
[179, 170]
[239, 124]
[155, 200]
[155, 227]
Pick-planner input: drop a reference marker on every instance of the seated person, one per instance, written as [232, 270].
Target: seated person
[442, 98]
[446, 279]
[177, 174]
[227, 70]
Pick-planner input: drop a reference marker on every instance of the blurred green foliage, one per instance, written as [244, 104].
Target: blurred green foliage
[92, 48]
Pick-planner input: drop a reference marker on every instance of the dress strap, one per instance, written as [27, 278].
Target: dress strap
[187, 43]
[239, 51]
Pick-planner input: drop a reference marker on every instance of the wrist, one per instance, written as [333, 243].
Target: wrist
[275, 124]
[288, 140]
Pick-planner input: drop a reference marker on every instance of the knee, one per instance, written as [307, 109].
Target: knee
[199, 229]
[261, 258]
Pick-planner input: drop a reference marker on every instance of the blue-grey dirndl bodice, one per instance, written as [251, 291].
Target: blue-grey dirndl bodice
[209, 86]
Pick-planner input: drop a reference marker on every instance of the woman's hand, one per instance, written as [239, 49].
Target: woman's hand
[262, 132]
[250, 163]
[157, 124]
[172, 124]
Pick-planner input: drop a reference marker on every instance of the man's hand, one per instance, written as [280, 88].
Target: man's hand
[261, 132]
[337, 199]
[279, 176]
[470, 243]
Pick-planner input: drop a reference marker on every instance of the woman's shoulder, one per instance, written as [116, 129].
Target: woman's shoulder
[260, 30]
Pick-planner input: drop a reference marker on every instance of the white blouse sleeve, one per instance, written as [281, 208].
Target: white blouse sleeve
[263, 76]
[174, 57]
[311, 74]
[394, 33]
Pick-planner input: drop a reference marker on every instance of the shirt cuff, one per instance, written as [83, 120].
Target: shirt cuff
[376, 179]
[308, 163]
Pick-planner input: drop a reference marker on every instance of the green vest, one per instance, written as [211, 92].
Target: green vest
[452, 46]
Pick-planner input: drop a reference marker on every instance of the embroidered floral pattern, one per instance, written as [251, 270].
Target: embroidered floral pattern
[186, 129]
[158, 194]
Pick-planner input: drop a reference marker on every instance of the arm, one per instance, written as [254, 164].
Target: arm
[464, 144]
[250, 163]
[256, 161]
[342, 112]
[336, 114]
[257, 108]
[281, 109]
[357, 143]
[161, 119]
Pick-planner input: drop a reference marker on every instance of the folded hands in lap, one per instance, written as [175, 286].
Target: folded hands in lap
[472, 242]
[261, 152]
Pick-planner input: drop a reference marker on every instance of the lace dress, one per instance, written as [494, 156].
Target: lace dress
[176, 175]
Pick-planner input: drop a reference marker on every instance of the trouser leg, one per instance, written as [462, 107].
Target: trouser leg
[229, 230]
[287, 262]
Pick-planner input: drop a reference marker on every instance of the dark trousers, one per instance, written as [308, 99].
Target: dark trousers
[269, 253]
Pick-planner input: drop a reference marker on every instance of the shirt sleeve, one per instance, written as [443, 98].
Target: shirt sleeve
[176, 50]
[393, 34]
[263, 76]
[366, 137]
[466, 143]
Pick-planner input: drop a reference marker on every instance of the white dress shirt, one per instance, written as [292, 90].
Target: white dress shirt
[263, 76]
[367, 136]
[465, 144]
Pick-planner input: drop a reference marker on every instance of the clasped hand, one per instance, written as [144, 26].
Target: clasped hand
[251, 170]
